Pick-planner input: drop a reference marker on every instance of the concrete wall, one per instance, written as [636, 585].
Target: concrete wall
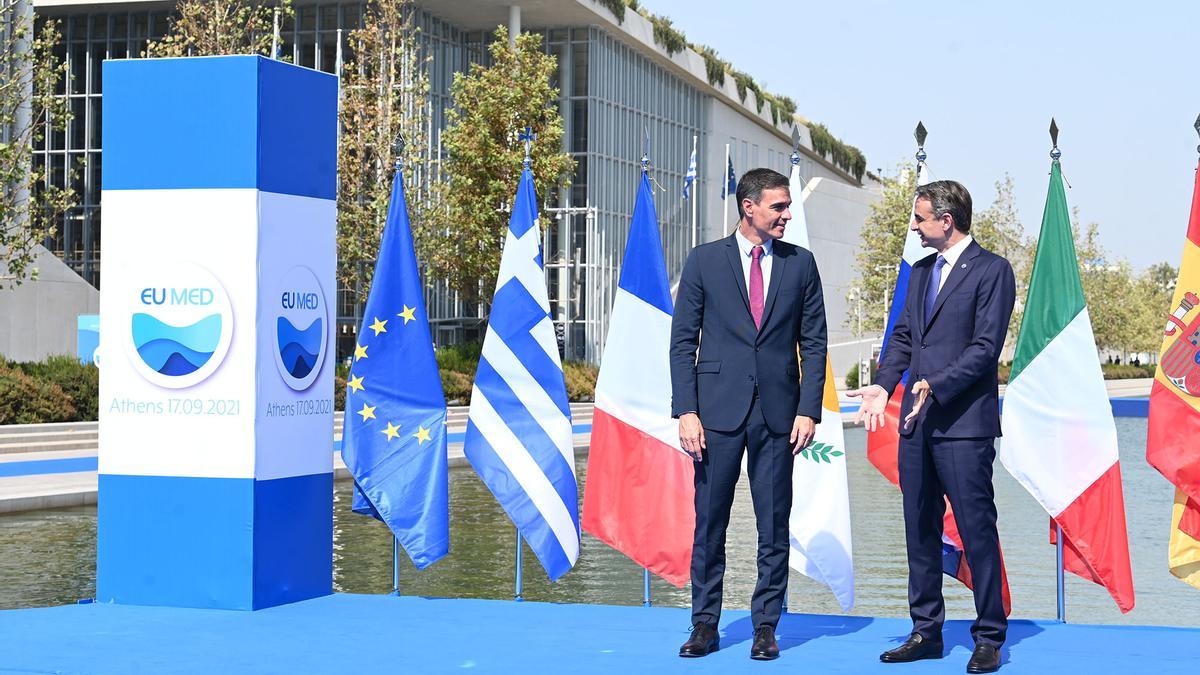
[836, 213]
[834, 209]
[40, 318]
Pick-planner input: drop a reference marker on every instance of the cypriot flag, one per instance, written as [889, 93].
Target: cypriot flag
[819, 525]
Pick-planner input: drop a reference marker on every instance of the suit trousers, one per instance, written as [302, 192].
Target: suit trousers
[769, 464]
[961, 470]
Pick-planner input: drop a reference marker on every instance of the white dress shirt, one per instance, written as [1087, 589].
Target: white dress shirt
[952, 255]
[747, 259]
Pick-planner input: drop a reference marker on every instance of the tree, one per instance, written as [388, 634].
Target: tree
[219, 27]
[29, 109]
[998, 229]
[493, 104]
[881, 244]
[385, 110]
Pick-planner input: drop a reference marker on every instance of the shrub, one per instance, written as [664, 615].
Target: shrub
[714, 67]
[852, 377]
[848, 157]
[617, 7]
[581, 380]
[25, 400]
[461, 358]
[81, 383]
[457, 387]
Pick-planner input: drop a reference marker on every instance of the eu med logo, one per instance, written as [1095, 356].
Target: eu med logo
[301, 321]
[181, 324]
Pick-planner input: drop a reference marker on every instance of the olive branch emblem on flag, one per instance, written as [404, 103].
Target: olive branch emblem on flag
[821, 452]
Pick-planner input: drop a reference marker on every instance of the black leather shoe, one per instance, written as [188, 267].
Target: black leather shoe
[985, 659]
[704, 641]
[764, 648]
[915, 648]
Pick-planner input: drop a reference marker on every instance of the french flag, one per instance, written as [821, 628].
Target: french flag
[639, 493]
[883, 445]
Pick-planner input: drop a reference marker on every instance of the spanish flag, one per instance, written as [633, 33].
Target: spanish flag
[1171, 445]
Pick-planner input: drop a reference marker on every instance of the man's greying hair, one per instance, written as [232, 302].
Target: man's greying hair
[947, 196]
[753, 183]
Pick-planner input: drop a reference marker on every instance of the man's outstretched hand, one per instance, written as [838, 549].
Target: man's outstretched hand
[874, 402]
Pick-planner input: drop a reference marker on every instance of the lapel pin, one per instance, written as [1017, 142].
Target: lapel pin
[964, 266]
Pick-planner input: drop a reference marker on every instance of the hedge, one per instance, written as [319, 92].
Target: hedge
[27, 400]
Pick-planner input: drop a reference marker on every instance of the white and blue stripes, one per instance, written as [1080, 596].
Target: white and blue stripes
[519, 427]
[690, 176]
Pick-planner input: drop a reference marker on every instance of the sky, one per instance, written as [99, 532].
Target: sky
[1122, 80]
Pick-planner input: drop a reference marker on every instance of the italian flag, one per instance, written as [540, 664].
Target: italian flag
[1060, 441]
[1171, 444]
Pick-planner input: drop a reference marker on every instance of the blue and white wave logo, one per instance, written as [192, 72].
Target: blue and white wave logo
[181, 325]
[301, 327]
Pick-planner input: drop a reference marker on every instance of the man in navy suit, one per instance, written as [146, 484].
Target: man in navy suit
[746, 305]
[948, 338]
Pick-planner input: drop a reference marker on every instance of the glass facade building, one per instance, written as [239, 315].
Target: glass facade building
[612, 96]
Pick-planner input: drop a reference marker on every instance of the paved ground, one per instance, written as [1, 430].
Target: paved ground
[54, 465]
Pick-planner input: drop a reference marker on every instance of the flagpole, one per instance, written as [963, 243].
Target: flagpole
[695, 197]
[725, 191]
[646, 171]
[395, 565]
[1061, 581]
[275, 36]
[517, 589]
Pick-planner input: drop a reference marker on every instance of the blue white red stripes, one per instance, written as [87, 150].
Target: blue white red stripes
[639, 494]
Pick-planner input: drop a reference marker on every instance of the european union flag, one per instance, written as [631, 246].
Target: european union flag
[394, 441]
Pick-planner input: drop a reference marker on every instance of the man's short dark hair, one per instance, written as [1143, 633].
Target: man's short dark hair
[753, 183]
[947, 196]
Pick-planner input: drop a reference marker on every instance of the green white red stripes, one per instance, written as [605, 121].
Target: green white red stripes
[1060, 441]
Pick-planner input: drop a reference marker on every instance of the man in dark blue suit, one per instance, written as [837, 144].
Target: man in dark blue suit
[948, 338]
[747, 306]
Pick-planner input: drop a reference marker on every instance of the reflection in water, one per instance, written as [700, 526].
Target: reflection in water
[48, 557]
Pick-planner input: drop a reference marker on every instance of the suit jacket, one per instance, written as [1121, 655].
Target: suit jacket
[716, 375]
[957, 348]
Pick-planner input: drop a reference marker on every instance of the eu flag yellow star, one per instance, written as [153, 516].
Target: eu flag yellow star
[360, 351]
[355, 383]
[422, 435]
[367, 412]
[392, 431]
[409, 314]
[378, 326]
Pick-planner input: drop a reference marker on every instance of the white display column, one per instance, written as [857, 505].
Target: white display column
[216, 313]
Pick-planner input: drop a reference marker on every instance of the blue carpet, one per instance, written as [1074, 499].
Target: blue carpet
[380, 634]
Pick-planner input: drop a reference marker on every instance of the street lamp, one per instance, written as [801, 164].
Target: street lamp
[886, 296]
[855, 296]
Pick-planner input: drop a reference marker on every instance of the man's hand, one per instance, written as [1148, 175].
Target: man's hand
[802, 433]
[691, 435]
[874, 402]
[920, 392]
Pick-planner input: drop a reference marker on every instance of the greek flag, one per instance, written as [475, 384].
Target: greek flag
[519, 426]
[690, 177]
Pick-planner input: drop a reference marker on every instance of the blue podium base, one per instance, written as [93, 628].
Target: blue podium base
[378, 634]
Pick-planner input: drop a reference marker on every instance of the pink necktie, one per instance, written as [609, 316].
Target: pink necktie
[756, 286]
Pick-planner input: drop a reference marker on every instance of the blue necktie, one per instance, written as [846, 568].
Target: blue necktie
[931, 292]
